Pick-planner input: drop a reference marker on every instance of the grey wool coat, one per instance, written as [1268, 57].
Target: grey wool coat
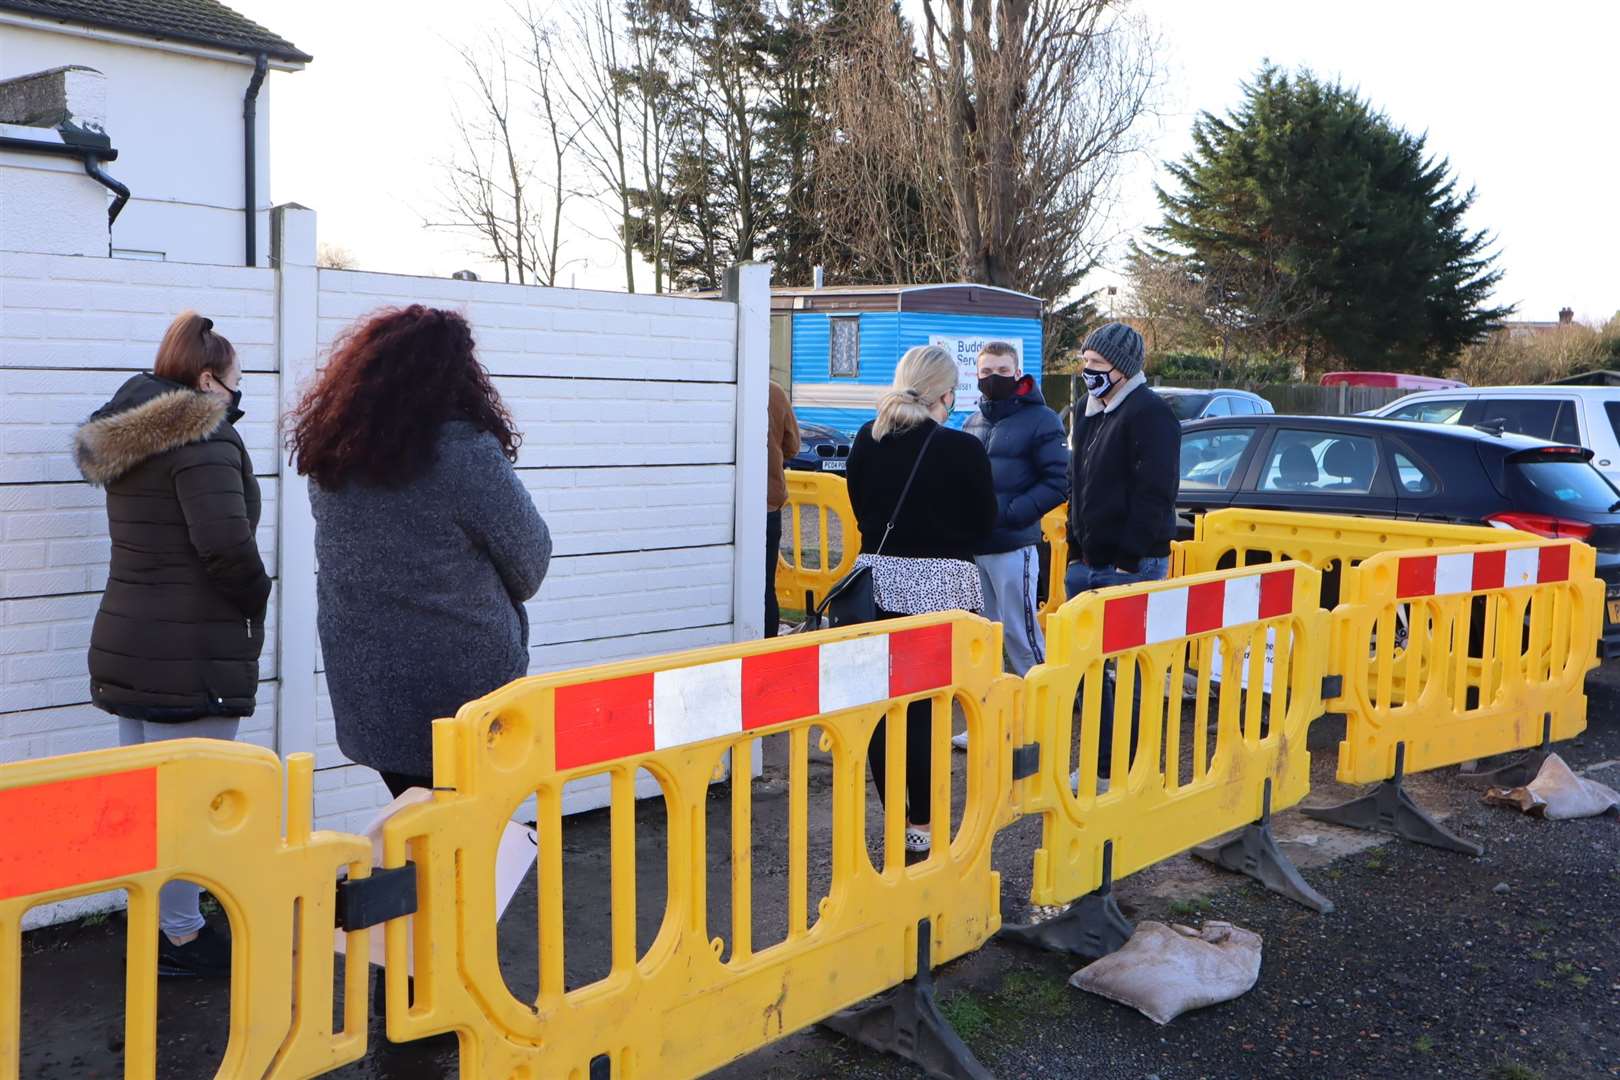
[421, 591]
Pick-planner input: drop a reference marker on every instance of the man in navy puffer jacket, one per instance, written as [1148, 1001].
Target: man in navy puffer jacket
[1030, 466]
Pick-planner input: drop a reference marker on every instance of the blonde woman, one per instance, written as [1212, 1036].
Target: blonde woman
[921, 558]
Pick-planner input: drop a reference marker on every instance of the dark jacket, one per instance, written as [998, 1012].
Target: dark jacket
[181, 622]
[1125, 473]
[952, 504]
[421, 595]
[1027, 459]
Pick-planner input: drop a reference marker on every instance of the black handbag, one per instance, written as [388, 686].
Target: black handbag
[852, 601]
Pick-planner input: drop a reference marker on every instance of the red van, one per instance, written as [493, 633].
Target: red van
[1389, 378]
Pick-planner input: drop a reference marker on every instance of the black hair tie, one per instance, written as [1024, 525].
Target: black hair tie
[207, 324]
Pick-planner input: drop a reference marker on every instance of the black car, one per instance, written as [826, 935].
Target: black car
[1414, 472]
[821, 449]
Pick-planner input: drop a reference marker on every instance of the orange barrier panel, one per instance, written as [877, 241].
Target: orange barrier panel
[211, 812]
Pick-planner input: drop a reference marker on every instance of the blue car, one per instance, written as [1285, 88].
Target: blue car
[821, 449]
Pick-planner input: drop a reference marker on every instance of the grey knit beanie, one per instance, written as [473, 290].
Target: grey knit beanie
[1119, 345]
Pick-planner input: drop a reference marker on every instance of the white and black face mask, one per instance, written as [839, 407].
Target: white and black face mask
[1097, 382]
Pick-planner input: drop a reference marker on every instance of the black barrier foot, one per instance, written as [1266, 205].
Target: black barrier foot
[1254, 852]
[1516, 773]
[1090, 928]
[907, 1023]
[1389, 809]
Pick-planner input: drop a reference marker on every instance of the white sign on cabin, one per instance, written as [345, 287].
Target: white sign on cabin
[965, 351]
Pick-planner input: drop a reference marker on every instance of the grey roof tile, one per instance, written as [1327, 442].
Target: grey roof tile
[198, 22]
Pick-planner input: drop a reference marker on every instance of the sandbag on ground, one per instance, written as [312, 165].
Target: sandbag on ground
[1164, 971]
[1557, 794]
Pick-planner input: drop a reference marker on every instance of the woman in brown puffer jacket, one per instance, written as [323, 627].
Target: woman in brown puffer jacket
[174, 652]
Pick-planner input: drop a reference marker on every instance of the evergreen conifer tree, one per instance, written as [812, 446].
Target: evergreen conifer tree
[1332, 234]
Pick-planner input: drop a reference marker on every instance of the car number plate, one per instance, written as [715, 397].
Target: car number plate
[835, 465]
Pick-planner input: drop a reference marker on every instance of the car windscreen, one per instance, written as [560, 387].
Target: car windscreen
[1571, 484]
[1186, 406]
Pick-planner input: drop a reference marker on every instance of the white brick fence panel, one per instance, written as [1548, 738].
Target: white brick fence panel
[629, 410]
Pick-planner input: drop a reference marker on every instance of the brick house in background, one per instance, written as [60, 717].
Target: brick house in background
[166, 100]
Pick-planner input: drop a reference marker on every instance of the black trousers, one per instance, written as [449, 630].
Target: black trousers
[919, 754]
[773, 542]
[919, 759]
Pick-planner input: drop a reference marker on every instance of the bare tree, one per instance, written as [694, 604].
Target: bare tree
[879, 193]
[603, 110]
[1034, 106]
[1540, 356]
[495, 186]
[540, 46]
[334, 257]
[1233, 311]
[984, 144]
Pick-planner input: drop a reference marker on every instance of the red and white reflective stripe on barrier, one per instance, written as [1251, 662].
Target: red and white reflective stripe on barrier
[1148, 618]
[1447, 575]
[637, 714]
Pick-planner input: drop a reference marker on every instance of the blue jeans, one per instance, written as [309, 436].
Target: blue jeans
[1082, 578]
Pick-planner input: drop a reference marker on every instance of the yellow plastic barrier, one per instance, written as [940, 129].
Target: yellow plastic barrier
[1055, 531]
[828, 496]
[1256, 642]
[680, 1009]
[1329, 542]
[1473, 650]
[211, 812]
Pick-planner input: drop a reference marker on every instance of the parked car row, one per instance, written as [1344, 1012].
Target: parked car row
[1411, 471]
[1543, 460]
[1586, 416]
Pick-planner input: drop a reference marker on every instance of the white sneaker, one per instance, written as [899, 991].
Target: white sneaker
[959, 741]
[918, 841]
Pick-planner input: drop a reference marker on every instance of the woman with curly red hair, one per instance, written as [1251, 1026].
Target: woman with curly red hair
[428, 544]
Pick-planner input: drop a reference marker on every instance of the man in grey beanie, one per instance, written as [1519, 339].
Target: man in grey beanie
[1124, 475]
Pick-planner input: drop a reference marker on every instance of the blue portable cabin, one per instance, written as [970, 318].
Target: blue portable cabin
[835, 348]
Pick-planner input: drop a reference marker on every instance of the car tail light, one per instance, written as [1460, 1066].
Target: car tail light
[1554, 528]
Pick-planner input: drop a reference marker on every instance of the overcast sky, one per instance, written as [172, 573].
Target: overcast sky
[1520, 98]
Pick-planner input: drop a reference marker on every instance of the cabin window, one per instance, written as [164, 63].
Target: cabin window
[844, 347]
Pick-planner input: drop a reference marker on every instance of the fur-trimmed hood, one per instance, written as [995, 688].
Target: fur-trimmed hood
[147, 417]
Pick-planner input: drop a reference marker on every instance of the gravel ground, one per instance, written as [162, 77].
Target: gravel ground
[1505, 967]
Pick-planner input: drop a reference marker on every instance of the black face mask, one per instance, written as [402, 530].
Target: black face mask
[235, 413]
[998, 387]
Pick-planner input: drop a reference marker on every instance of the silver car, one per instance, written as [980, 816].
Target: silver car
[1190, 404]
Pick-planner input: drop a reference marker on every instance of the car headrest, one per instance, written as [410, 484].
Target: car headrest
[1297, 466]
[1348, 459]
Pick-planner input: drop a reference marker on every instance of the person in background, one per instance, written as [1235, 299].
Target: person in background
[784, 443]
[926, 561]
[174, 651]
[427, 541]
[1030, 464]
[1124, 476]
